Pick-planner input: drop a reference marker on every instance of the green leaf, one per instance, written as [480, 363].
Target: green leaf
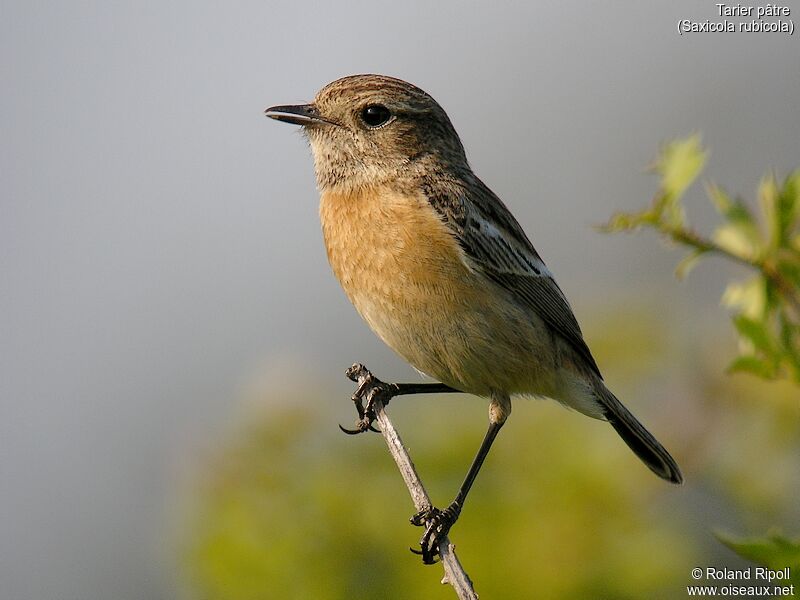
[679, 164]
[739, 234]
[753, 365]
[756, 332]
[668, 210]
[749, 297]
[768, 198]
[773, 551]
[688, 263]
[732, 209]
[628, 221]
[788, 265]
[737, 239]
[788, 209]
[790, 342]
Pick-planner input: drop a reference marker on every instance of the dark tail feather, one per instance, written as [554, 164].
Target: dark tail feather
[641, 441]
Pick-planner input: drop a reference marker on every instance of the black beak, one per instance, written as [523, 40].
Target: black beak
[298, 114]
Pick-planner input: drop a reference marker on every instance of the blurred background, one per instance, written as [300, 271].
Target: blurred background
[173, 343]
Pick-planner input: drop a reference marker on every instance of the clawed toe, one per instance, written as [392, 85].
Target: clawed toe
[371, 389]
[370, 396]
[362, 425]
[419, 519]
[437, 524]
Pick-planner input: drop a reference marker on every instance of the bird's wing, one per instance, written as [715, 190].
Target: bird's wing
[495, 245]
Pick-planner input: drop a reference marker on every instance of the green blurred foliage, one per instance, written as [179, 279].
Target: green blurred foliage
[774, 551]
[288, 507]
[282, 521]
[766, 307]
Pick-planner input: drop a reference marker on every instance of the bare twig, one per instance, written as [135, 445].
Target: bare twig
[454, 572]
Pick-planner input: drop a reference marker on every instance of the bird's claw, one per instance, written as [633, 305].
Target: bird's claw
[370, 388]
[361, 427]
[437, 524]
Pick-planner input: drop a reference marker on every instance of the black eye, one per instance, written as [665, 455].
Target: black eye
[375, 115]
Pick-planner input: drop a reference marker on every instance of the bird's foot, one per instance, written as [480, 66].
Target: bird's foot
[370, 389]
[437, 524]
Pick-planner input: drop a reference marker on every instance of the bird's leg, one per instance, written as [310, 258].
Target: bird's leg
[438, 522]
[370, 389]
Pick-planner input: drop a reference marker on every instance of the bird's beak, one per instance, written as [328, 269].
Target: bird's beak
[298, 114]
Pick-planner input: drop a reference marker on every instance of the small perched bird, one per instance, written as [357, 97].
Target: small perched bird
[442, 271]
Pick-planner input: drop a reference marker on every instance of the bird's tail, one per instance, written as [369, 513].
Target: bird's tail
[641, 441]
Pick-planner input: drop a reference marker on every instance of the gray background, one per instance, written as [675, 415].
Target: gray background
[160, 250]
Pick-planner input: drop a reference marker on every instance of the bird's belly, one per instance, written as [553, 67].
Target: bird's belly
[402, 270]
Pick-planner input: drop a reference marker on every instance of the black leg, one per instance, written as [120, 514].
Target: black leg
[372, 388]
[438, 522]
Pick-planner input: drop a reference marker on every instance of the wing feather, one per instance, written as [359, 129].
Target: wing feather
[495, 245]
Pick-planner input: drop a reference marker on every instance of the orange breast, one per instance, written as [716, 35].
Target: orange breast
[390, 250]
[402, 269]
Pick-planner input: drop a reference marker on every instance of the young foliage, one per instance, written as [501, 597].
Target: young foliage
[766, 306]
[774, 551]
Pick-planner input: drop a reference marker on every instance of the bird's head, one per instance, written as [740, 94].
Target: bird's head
[370, 129]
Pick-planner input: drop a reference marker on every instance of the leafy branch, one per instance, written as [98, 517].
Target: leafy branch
[774, 551]
[766, 307]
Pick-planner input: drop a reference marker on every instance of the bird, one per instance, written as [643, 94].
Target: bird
[442, 272]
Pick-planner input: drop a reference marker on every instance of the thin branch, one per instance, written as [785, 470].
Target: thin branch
[454, 572]
[691, 238]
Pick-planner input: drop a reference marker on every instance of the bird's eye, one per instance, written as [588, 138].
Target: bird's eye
[375, 115]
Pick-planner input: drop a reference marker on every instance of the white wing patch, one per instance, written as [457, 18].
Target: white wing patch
[502, 250]
[494, 245]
